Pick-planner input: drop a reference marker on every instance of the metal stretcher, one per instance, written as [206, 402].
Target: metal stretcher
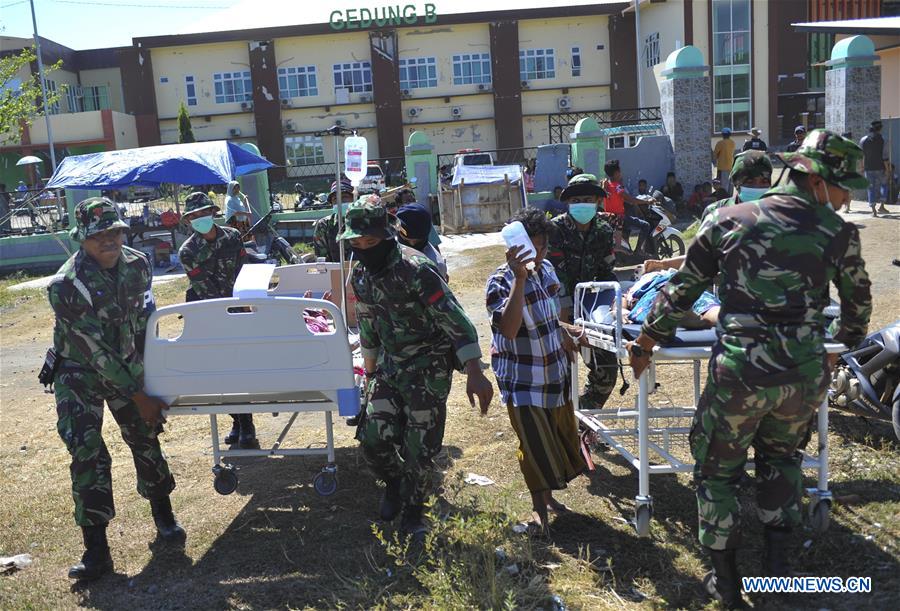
[251, 355]
[661, 433]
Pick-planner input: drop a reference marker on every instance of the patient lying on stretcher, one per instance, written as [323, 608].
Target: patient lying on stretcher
[638, 301]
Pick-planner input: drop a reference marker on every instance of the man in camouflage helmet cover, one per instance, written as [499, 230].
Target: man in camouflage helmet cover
[102, 299]
[413, 333]
[768, 372]
[325, 230]
[212, 258]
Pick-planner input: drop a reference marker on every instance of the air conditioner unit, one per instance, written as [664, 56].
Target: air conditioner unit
[564, 103]
[414, 112]
[365, 98]
[456, 112]
[234, 132]
[405, 93]
[342, 95]
[338, 122]
[524, 84]
[286, 103]
[246, 105]
[288, 126]
[484, 87]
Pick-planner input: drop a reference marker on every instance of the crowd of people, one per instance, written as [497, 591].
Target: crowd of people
[768, 371]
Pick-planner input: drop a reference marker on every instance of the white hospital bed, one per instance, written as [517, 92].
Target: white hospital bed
[654, 439]
[254, 355]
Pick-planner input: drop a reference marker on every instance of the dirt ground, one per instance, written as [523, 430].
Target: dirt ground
[276, 544]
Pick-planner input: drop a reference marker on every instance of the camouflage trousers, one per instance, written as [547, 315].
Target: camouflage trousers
[777, 422]
[403, 428]
[79, 407]
[601, 380]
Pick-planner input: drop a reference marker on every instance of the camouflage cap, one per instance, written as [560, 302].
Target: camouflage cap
[582, 184]
[749, 165]
[95, 215]
[833, 157]
[197, 201]
[367, 217]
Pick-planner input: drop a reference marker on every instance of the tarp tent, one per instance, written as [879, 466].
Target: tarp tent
[197, 163]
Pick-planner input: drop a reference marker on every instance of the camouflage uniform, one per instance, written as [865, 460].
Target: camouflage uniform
[211, 267]
[412, 324]
[767, 373]
[101, 323]
[586, 257]
[325, 242]
[747, 166]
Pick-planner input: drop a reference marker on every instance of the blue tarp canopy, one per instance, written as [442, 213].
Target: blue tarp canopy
[197, 163]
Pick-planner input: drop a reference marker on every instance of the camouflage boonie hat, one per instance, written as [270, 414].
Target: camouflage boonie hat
[367, 217]
[582, 184]
[95, 215]
[833, 157]
[749, 165]
[197, 201]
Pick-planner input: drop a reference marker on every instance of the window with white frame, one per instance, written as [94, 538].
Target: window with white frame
[418, 73]
[95, 97]
[73, 97]
[232, 87]
[472, 69]
[297, 82]
[576, 61]
[304, 150]
[355, 76]
[50, 85]
[651, 50]
[536, 64]
[731, 65]
[190, 88]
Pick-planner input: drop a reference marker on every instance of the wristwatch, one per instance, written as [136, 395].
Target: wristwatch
[636, 351]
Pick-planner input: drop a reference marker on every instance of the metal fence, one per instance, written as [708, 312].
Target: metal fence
[393, 168]
[509, 156]
[561, 124]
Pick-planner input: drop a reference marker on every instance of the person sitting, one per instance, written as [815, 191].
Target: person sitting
[616, 198]
[554, 207]
[673, 190]
[237, 208]
[643, 187]
[415, 227]
[530, 356]
[717, 191]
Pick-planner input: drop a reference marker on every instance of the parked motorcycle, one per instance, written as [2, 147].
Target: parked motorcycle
[866, 381]
[307, 200]
[266, 246]
[668, 240]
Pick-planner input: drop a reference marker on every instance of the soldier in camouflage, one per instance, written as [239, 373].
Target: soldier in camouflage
[212, 258]
[102, 299]
[751, 175]
[325, 243]
[413, 333]
[581, 250]
[768, 372]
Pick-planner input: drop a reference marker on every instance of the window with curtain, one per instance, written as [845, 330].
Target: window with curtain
[732, 105]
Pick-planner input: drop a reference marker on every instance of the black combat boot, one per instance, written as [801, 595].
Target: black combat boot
[390, 500]
[775, 562]
[247, 440]
[724, 583]
[413, 524]
[232, 437]
[167, 526]
[96, 560]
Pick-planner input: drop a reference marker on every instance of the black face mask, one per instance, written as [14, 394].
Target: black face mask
[375, 259]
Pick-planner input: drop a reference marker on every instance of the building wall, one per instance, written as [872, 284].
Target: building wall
[442, 43]
[125, 130]
[201, 62]
[112, 78]
[890, 82]
[217, 128]
[666, 19]
[561, 34]
[322, 52]
[68, 127]
[63, 77]
[450, 137]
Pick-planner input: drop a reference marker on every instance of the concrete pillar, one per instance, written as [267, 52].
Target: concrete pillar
[687, 114]
[421, 164]
[589, 147]
[852, 87]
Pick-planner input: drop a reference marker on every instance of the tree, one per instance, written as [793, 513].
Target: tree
[185, 134]
[20, 98]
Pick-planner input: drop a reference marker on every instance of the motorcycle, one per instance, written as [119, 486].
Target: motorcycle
[266, 246]
[275, 202]
[866, 381]
[668, 240]
[307, 200]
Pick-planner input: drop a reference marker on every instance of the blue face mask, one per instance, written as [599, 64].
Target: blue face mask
[751, 194]
[203, 224]
[583, 213]
[343, 209]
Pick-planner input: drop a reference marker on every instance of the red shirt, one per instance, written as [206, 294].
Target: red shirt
[615, 198]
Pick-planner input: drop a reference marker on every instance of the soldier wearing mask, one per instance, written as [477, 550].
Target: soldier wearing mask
[413, 333]
[768, 372]
[102, 299]
[212, 258]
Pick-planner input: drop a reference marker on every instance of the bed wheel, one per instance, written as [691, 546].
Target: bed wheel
[226, 479]
[820, 515]
[642, 520]
[325, 483]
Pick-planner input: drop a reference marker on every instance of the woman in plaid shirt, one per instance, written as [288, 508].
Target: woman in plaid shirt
[530, 356]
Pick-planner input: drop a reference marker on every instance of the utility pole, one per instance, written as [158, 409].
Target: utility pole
[40, 62]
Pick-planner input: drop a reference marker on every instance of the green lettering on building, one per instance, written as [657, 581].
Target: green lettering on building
[396, 15]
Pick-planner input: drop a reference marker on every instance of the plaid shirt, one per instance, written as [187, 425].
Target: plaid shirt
[531, 369]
